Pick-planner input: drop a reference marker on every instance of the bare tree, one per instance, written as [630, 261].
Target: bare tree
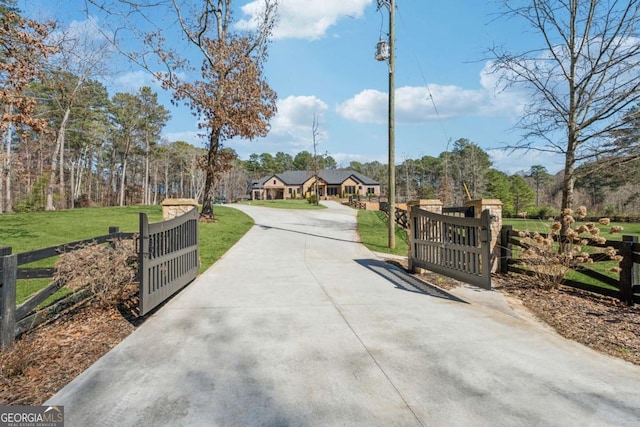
[82, 56]
[23, 49]
[583, 78]
[230, 97]
[315, 139]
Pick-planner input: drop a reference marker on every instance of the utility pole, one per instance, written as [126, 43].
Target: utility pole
[389, 54]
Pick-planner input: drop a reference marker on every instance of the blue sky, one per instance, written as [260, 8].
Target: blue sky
[322, 62]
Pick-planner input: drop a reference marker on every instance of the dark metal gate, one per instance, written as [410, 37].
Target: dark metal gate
[168, 257]
[452, 246]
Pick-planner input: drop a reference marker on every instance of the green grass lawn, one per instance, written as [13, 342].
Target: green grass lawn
[373, 230]
[26, 232]
[285, 204]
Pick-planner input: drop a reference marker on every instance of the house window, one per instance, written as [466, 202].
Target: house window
[274, 182]
[350, 189]
[289, 190]
[332, 191]
[371, 190]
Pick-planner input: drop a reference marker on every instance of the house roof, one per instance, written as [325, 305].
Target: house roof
[331, 177]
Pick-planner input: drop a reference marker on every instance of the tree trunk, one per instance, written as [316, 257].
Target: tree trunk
[54, 161]
[8, 207]
[567, 192]
[72, 184]
[166, 177]
[155, 184]
[2, 169]
[147, 195]
[123, 180]
[208, 197]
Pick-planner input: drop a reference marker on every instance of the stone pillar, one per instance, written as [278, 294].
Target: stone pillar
[172, 208]
[495, 213]
[431, 205]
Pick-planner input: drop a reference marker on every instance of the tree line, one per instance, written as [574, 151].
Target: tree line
[466, 171]
[65, 141]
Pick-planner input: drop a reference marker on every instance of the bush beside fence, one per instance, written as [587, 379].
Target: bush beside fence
[17, 319]
[626, 288]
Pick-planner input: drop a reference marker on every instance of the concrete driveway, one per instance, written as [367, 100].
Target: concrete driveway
[299, 324]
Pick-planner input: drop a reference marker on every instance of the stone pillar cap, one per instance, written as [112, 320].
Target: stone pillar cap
[179, 202]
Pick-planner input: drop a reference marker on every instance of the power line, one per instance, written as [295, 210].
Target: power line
[426, 85]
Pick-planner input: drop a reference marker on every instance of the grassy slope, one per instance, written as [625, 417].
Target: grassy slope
[374, 234]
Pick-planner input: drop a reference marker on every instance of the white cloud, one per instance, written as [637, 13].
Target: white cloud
[343, 159]
[194, 138]
[304, 19]
[510, 161]
[132, 81]
[415, 104]
[369, 106]
[296, 113]
[291, 128]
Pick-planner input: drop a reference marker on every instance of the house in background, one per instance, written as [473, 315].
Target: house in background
[301, 184]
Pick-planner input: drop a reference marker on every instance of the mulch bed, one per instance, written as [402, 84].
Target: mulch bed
[50, 356]
[602, 323]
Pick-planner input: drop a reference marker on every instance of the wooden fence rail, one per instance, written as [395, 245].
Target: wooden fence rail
[401, 215]
[627, 287]
[358, 204]
[17, 319]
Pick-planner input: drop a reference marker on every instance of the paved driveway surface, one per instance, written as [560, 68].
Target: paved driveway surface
[298, 324]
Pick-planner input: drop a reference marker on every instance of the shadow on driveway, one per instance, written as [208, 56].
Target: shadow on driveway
[269, 227]
[405, 281]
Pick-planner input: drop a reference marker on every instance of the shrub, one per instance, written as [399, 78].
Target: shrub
[609, 210]
[312, 199]
[542, 255]
[107, 270]
[542, 212]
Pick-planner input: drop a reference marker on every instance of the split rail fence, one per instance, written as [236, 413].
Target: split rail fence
[626, 287]
[17, 319]
[168, 261]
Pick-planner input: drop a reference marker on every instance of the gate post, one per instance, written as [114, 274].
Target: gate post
[9, 275]
[629, 270]
[172, 208]
[495, 215]
[506, 249]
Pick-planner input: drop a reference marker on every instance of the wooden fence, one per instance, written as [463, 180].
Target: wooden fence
[401, 215]
[17, 319]
[355, 203]
[626, 288]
